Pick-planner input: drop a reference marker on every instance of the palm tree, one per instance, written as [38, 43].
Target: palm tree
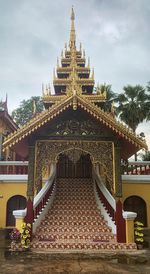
[132, 105]
[148, 102]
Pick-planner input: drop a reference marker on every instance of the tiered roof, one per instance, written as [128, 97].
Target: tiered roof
[73, 75]
[73, 87]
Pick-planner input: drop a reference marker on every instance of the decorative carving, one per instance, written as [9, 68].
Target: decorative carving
[74, 155]
[3, 126]
[118, 179]
[100, 152]
[30, 185]
[77, 128]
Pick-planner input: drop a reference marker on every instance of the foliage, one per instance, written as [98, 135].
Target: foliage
[133, 105]
[146, 156]
[15, 235]
[25, 235]
[138, 232]
[148, 102]
[110, 97]
[25, 111]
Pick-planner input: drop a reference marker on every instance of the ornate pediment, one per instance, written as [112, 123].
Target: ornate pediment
[76, 128]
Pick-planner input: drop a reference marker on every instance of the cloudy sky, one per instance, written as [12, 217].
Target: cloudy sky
[114, 33]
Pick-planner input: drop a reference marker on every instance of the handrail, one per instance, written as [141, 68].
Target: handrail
[13, 167]
[41, 198]
[105, 200]
[142, 163]
[136, 167]
[104, 190]
[13, 163]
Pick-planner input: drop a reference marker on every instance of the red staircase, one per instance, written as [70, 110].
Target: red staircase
[74, 221]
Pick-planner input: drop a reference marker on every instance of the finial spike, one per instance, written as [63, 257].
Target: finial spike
[93, 73]
[54, 73]
[80, 46]
[72, 14]
[34, 108]
[72, 32]
[57, 62]
[105, 91]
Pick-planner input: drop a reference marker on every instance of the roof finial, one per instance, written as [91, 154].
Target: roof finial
[72, 32]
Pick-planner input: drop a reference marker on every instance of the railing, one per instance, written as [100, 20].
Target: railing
[44, 195]
[111, 209]
[13, 167]
[136, 168]
[105, 201]
[42, 201]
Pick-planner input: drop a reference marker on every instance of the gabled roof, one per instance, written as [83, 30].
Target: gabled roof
[47, 115]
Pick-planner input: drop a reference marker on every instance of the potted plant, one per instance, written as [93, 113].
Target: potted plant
[25, 236]
[139, 235]
[15, 239]
[15, 235]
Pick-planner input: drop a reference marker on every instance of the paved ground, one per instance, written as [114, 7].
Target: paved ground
[74, 263]
[28, 263]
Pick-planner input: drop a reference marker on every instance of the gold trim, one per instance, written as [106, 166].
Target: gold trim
[57, 108]
[114, 172]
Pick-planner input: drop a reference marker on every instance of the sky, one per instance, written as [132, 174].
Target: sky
[114, 33]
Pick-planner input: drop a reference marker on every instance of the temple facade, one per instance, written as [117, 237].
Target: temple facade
[75, 152]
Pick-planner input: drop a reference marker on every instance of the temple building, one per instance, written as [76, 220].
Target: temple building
[75, 150]
[7, 125]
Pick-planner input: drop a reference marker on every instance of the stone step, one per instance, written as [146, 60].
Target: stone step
[74, 221]
[69, 237]
[81, 245]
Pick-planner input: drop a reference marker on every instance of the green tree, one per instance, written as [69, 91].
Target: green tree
[26, 110]
[148, 102]
[132, 105]
[146, 156]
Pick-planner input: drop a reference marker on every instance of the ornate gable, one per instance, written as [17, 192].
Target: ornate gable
[74, 88]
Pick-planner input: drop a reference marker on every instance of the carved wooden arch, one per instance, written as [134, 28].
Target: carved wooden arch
[75, 148]
[47, 152]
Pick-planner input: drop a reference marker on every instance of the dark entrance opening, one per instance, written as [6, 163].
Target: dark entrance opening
[68, 168]
[138, 205]
[14, 203]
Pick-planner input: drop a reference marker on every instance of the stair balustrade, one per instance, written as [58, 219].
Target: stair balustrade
[42, 201]
[105, 200]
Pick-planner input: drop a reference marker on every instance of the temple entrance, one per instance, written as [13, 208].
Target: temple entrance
[74, 164]
[138, 205]
[14, 203]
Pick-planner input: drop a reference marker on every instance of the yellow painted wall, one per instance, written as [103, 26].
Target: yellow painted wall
[139, 189]
[7, 190]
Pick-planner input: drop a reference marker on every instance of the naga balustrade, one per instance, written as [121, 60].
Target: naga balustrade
[13, 167]
[108, 201]
[42, 201]
[105, 202]
[43, 198]
[136, 168]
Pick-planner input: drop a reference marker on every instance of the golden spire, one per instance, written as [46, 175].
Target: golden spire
[88, 62]
[72, 32]
[33, 107]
